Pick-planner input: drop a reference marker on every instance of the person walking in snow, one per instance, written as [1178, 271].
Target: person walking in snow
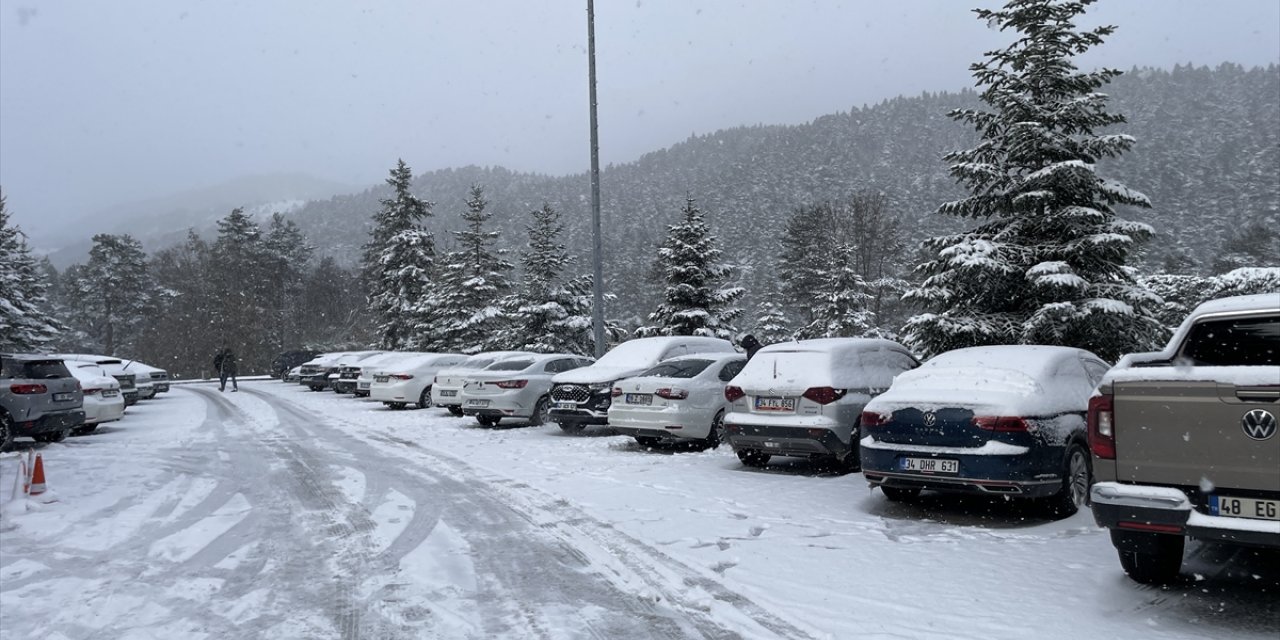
[225, 363]
[750, 345]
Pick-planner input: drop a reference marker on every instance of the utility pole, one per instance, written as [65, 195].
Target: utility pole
[597, 313]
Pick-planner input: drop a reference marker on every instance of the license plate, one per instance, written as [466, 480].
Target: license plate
[565, 405]
[639, 398]
[477, 403]
[448, 393]
[110, 393]
[363, 385]
[381, 379]
[1244, 507]
[929, 465]
[775, 404]
[773, 445]
[63, 396]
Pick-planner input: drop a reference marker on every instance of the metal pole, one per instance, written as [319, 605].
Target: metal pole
[597, 313]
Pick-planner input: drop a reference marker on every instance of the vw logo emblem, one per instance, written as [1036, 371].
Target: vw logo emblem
[1259, 424]
[930, 419]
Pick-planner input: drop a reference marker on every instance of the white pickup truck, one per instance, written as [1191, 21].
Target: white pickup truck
[1185, 440]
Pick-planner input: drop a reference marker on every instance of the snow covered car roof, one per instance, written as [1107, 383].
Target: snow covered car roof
[636, 355]
[831, 362]
[1019, 380]
[487, 357]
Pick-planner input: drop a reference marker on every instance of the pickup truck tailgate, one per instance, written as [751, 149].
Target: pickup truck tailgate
[1181, 432]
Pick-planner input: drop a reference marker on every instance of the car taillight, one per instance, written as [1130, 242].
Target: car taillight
[91, 391]
[1102, 431]
[435, 380]
[824, 395]
[732, 393]
[674, 393]
[617, 391]
[872, 419]
[27, 389]
[401, 376]
[1004, 424]
[511, 384]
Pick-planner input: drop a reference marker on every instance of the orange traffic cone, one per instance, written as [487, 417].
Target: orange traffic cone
[37, 477]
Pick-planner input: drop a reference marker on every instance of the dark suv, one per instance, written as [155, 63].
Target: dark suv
[39, 399]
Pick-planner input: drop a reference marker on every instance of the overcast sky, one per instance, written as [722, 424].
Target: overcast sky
[104, 102]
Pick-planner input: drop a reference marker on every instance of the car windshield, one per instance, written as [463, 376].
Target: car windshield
[510, 365]
[678, 369]
[1235, 343]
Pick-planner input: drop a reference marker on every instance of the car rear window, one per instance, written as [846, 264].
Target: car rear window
[678, 369]
[510, 365]
[1245, 342]
[33, 369]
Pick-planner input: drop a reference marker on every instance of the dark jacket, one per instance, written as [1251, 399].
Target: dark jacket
[225, 362]
[750, 345]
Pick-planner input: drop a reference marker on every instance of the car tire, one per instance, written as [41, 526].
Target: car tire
[900, 494]
[713, 436]
[56, 436]
[753, 457]
[424, 398]
[396, 406]
[84, 430]
[457, 411]
[647, 442]
[315, 388]
[1159, 560]
[6, 433]
[1077, 474]
[541, 412]
[572, 427]
[488, 421]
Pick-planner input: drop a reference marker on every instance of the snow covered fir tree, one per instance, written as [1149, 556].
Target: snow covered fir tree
[465, 310]
[25, 323]
[398, 262]
[115, 289]
[1046, 261]
[552, 311]
[840, 302]
[694, 302]
[771, 324]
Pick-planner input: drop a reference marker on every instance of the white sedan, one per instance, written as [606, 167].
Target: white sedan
[681, 399]
[517, 387]
[447, 389]
[409, 380]
[102, 399]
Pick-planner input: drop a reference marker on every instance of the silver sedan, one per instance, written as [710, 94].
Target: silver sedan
[517, 387]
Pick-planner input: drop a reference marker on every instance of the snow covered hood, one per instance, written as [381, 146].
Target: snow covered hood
[596, 374]
[843, 363]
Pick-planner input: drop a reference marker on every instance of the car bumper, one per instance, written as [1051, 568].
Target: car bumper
[785, 440]
[998, 469]
[665, 423]
[344, 386]
[49, 423]
[130, 397]
[99, 412]
[162, 387]
[581, 417]
[440, 400]
[497, 406]
[1169, 510]
[316, 382]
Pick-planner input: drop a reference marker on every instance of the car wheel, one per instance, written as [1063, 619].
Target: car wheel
[713, 436]
[6, 433]
[1149, 558]
[1076, 475]
[647, 442]
[900, 494]
[753, 457]
[395, 406]
[315, 388]
[572, 427]
[84, 430]
[457, 411]
[424, 398]
[541, 412]
[56, 436]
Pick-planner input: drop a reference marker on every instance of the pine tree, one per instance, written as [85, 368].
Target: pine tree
[1046, 262]
[840, 301]
[25, 324]
[289, 254]
[467, 310]
[694, 302]
[771, 324]
[549, 315]
[399, 262]
[239, 296]
[113, 293]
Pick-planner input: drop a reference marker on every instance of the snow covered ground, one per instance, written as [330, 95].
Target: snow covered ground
[280, 513]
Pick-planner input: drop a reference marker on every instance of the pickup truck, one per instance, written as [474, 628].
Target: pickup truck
[1184, 440]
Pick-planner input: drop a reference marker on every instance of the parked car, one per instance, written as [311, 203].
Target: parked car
[114, 367]
[582, 397]
[39, 398]
[366, 370]
[344, 379]
[1005, 420]
[288, 360]
[447, 386]
[317, 373]
[681, 399]
[804, 398]
[410, 380]
[159, 378]
[1185, 441]
[517, 387]
[294, 375]
[102, 399]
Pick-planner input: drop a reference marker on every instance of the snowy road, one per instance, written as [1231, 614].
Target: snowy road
[279, 513]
